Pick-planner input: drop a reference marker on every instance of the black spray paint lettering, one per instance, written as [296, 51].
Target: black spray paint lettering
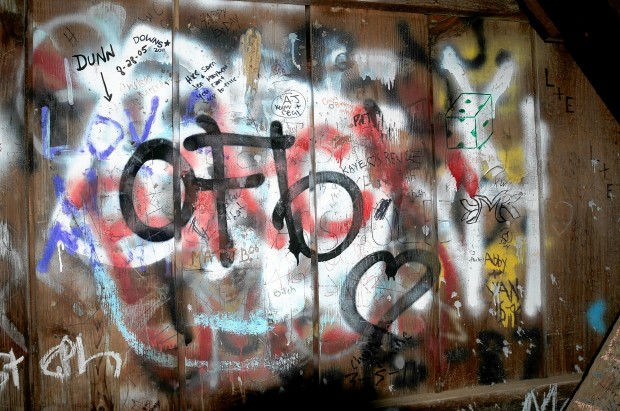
[218, 23]
[283, 212]
[370, 161]
[410, 156]
[70, 36]
[498, 263]
[216, 79]
[220, 183]
[370, 117]
[373, 352]
[502, 203]
[382, 208]
[160, 149]
[148, 39]
[156, 149]
[132, 60]
[568, 99]
[409, 375]
[84, 61]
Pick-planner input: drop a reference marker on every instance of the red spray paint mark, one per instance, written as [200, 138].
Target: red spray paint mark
[463, 172]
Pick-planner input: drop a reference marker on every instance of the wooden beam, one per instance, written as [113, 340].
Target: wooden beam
[590, 32]
[513, 393]
[600, 387]
[482, 8]
[539, 20]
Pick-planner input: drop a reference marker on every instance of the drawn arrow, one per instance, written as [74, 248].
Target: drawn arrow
[107, 96]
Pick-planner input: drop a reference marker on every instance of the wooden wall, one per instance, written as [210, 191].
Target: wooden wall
[224, 205]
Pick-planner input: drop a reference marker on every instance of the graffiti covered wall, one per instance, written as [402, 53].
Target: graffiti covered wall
[225, 203]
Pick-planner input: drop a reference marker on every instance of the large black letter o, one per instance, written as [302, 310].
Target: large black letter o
[157, 149]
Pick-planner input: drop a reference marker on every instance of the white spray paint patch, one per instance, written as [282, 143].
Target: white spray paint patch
[506, 349]
[8, 145]
[292, 37]
[457, 305]
[471, 273]
[61, 247]
[65, 351]
[593, 206]
[426, 229]
[545, 142]
[69, 82]
[549, 401]
[10, 368]
[423, 302]
[532, 303]
[377, 64]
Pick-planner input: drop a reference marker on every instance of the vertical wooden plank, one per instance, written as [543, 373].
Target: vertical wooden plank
[14, 285]
[580, 163]
[487, 201]
[378, 264]
[104, 306]
[245, 100]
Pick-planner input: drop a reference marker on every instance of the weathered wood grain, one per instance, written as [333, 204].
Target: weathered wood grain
[579, 166]
[15, 350]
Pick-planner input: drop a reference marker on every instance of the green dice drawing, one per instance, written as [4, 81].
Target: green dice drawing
[469, 121]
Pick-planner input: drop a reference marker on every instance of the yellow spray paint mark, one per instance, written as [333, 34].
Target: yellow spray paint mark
[250, 50]
[469, 50]
[513, 162]
[500, 266]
